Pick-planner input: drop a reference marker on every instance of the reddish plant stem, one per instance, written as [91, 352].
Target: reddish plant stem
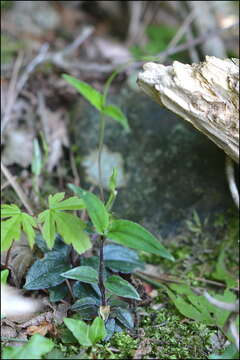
[101, 272]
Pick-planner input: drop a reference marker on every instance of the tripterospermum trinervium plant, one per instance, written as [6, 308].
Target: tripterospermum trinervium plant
[97, 285]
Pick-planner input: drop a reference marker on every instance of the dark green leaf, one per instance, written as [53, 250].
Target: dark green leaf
[125, 317]
[81, 290]
[35, 348]
[230, 352]
[57, 293]
[121, 287]
[119, 258]
[96, 209]
[115, 113]
[85, 303]
[93, 261]
[110, 328]
[115, 302]
[133, 235]
[59, 245]
[88, 92]
[82, 273]
[46, 272]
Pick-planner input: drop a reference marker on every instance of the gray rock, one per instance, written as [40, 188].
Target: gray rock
[172, 168]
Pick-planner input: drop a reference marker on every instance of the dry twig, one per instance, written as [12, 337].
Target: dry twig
[17, 189]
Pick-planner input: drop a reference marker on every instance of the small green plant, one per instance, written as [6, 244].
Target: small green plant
[96, 283]
[35, 348]
[87, 335]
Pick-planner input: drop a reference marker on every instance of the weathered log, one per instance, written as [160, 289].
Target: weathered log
[205, 94]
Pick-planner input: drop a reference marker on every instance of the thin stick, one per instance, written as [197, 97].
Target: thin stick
[69, 288]
[17, 189]
[3, 338]
[12, 92]
[181, 31]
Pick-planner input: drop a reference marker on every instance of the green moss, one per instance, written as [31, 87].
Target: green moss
[168, 334]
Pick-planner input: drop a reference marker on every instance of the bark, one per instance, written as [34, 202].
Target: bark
[205, 94]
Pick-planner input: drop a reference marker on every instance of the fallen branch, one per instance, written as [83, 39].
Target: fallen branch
[205, 94]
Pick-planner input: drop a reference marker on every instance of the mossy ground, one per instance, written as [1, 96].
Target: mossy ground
[165, 333]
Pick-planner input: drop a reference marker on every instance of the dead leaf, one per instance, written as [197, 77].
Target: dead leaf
[43, 329]
[37, 320]
[21, 257]
[144, 348]
[19, 148]
[112, 50]
[55, 131]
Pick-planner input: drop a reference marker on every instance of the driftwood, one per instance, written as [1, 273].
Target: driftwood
[205, 94]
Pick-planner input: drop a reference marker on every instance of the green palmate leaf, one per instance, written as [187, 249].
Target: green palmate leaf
[133, 235]
[28, 222]
[55, 199]
[82, 273]
[35, 348]
[4, 276]
[88, 92]
[71, 228]
[56, 202]
[37, 158]
[49, 227]
[72, 203]
[9, 210]
[115, 113]
[121, 287]
[97, 330]
[96, 209]
[11, 228]
[10, 231]
[80, 330]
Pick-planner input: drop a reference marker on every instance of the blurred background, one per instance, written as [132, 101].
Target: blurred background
[50, 133]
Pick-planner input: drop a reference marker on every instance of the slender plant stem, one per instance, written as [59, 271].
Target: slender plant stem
[100, 273]
[8, 256]
[100, 147]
